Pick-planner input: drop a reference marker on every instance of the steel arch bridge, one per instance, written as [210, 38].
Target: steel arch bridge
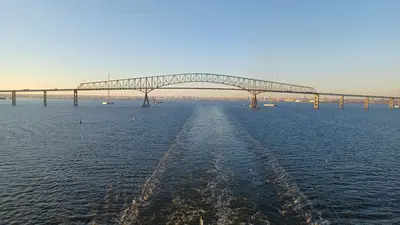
[148, 84]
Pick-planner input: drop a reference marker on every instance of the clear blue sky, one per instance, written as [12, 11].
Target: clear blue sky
[340, 45]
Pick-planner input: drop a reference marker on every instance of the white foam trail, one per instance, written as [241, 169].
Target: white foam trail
[189, 211]
[222, 198]
[295, 202]
[131, 213]
[216, 193]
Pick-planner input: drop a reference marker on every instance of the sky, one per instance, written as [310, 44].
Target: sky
[335, 46]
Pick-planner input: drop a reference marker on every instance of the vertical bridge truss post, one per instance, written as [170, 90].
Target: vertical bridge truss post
[45, 98]
[316, 101]
[391, 103]
[341, 103]
[14, 98]
[254, 102]
[75, 98]
[366, 103]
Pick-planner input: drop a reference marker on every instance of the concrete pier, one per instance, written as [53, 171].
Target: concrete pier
[366, 103]
[14, 98]
[75, 98]
[316, 101]
[45, 98]
[254, 102]
[146, 102]
[391, 103]
[341, 103]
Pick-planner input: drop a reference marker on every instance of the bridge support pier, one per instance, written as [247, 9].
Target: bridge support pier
[45, 98]
[14, 98]
[146, 102]
[391, 103]
[75, 98]
[366, 103]
[341, 103]
[316, 101]
[254, 102]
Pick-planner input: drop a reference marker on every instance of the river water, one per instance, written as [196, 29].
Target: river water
[171, 163]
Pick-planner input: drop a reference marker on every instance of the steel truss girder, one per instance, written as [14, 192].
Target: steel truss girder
[147, 84]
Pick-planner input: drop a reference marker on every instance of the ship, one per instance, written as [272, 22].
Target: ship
[3, 98]
[108, 102]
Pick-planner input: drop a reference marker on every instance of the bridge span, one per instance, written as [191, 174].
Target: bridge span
[148, 84]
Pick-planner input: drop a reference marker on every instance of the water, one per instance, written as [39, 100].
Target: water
[171, 163]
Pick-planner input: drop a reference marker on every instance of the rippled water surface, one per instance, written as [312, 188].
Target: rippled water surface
[171, 163]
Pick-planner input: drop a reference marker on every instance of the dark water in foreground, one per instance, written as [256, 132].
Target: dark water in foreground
[168, 164]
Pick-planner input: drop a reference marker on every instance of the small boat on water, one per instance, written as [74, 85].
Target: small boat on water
[156, 102]
[3, 98]
[397, 106]
[108, 102]
[270, 104]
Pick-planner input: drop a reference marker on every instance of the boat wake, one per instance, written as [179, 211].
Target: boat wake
[294, 204]
[212, 193]
[214, 201]
[131, 214]
[209, 194]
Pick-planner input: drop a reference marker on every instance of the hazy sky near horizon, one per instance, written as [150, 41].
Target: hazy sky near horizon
[338, 46]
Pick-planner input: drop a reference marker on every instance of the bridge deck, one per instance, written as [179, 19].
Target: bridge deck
[203, 88]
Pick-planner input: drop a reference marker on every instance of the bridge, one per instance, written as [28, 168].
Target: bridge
[148, 84]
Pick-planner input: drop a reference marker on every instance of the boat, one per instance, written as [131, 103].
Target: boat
[397, 106]
[156, 102]
[270, 104]
[108, 102]
[3, 98]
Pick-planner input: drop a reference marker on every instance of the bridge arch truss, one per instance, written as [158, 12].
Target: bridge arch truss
[148, 84]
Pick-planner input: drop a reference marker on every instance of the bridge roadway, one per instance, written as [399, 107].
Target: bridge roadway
[200, 88]
[148, 84]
